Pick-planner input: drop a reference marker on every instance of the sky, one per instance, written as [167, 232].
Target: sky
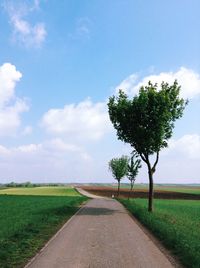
[60, 61]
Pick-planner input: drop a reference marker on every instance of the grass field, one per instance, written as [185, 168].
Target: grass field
[180, 189]
[50, 191]
[175, 222]
[28, 221]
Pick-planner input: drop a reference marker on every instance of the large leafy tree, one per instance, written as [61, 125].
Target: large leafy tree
[133, 168]
[146, 121]
[118, 167]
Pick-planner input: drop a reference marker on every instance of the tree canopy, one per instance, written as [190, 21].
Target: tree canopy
[118, 167]
[133, 167]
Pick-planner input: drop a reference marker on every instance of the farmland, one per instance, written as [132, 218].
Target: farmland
[48, 191]
[183, 188]
[29, 217]
[175, 223]
[140, 191]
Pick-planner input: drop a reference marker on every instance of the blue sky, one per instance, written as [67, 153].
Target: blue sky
[59, 63]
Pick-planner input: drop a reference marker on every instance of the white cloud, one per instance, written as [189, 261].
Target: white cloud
[10, 106]
[84, 121]
[9, 76]
[187, 78]
[127, 84]
[187, 146]
[30, 148]
[51, 160]
[51, 147]
[179, 163]
[23, 31]
[10, 118]
[59, 145]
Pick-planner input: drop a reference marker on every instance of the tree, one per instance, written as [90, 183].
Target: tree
[118, 167]
[146, 121]
[133, 168]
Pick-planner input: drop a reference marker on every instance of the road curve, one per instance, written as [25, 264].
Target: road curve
[83, 192]
[101, 235]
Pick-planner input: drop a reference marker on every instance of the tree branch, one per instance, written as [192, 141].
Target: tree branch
[143, 158]
[156, 162]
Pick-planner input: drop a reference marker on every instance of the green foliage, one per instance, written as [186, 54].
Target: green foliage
[146, 122]
[133, 167]
[175, 223]
[27, 223]
[118, 167]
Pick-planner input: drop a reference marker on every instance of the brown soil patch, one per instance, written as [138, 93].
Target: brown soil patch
[139, 193]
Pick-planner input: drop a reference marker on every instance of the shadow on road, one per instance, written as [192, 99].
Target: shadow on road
[98, 211]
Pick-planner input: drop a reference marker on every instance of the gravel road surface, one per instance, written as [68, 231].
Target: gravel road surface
[101, 235]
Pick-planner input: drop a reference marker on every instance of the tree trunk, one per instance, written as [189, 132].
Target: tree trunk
[131, 190]
[132, 185]
[118, 187]
[151, 171]
[150, 204]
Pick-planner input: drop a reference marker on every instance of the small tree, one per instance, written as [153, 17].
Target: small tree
[146, 122]
[133, 168]
[118, 167]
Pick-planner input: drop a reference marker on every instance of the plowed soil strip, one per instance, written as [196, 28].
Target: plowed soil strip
[140, 193]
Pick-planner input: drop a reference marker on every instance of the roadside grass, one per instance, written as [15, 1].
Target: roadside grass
[50, 191]
[175, 222]
[28, 222]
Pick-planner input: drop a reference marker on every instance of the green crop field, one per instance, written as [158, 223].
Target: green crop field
[175, 222]
[28, 221]
[181, 189]
[53, 190]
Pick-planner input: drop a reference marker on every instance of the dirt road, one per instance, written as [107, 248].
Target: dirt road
[101, 235]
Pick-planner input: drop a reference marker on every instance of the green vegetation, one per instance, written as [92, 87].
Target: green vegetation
[119, 168]
[30, 184]
[133, 168]
[57, 191]
[175, 223]
[189, 190]
[146, 121]
[27, 222]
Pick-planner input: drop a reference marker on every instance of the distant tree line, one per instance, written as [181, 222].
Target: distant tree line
[29, 184]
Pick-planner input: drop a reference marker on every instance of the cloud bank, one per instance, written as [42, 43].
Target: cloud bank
[187, 78]
[49, 161]
[11, 107]
[188, 146]
[84, 121]
[23, 31]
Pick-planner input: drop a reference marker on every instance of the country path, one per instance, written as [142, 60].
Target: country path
[101, 235]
